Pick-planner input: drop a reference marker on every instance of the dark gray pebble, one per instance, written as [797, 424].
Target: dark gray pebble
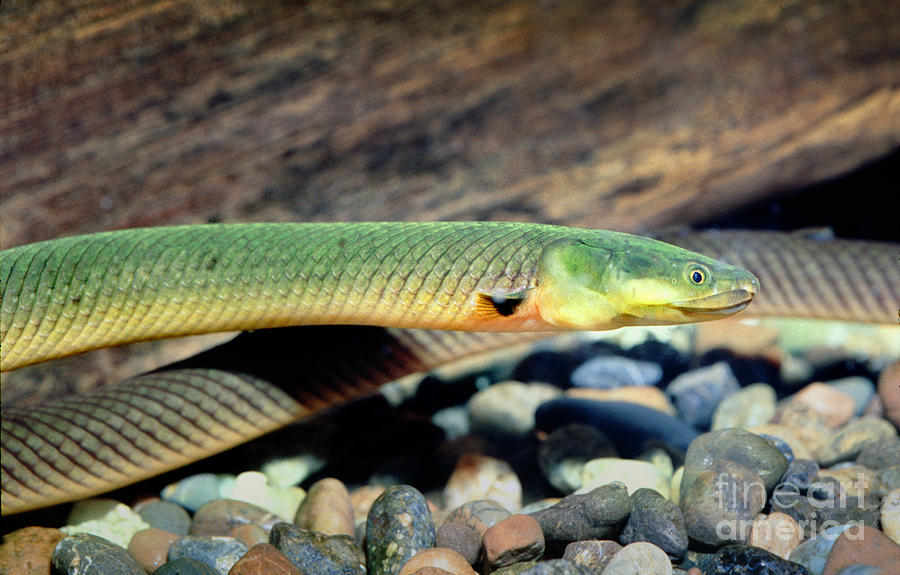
[564, 452]
[747, 560]
[739, 446]
[656, 520]
[628, 425]
[185, 566]
[316, 553]
[165, 515]
[593, 515]
[558, 567]
[86, 554]
[611, 371]
[698, 392]
[398, 526]
[220, 553]
[799, 475]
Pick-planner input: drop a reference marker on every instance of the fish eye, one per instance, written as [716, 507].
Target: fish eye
[697, 275]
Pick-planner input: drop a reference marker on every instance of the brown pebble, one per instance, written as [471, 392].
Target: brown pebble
[862, 544]
[263, 559]
[362, 499]
[27, 551]
[835, 406]
[249, 534]
[219, 517]
[441, 558]
[594, 554]
[327, 509]
[431, 571]
[778, 533]
[889, 392]
[462, 538]
[516, 538]
[150, 547]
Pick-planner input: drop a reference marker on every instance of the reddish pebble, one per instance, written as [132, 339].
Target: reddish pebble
[327, 509]
[150, 547]
[516, 538]
[865, 545]
[889, 392]
[28, 550]
[440, 558]
[835, 406]
[263, 559]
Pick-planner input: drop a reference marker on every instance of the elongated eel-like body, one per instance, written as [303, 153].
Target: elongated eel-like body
[70, 295]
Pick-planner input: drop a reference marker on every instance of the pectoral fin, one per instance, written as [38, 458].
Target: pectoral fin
[498, 304]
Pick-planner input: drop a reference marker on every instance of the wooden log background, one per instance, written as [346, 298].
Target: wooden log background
[613, 114]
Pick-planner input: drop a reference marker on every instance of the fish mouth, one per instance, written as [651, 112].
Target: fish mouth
[725, 303]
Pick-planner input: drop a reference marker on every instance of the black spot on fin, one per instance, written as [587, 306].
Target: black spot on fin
[498, 304]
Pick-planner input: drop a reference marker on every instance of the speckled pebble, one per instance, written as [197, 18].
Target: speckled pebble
[263, 559]
[594, 554]
[327, 509]
[27, 551]
[835, 406]
[399, 526]
[720, 505]
[220, 553]
[185, 566]
[752, 405]
[806, 425]
[164, 515]
[851, 439]
[633, 473]
[507, 408]
[516, 538]
[219, 517]
[656, 520]
[698, 392]
[150, 547]
[313, 552]
[481, 477]
[104, 518]
[865, 545]
[555, 567]
[193, 492]
[440, 558]
[777, 533]
[640, 558]
[737, 445]
[612, 371]
[565, 451]
[87, 554]
[746, 560]
[593, 515]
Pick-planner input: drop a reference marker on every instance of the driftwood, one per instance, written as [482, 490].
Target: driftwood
[616, 114]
